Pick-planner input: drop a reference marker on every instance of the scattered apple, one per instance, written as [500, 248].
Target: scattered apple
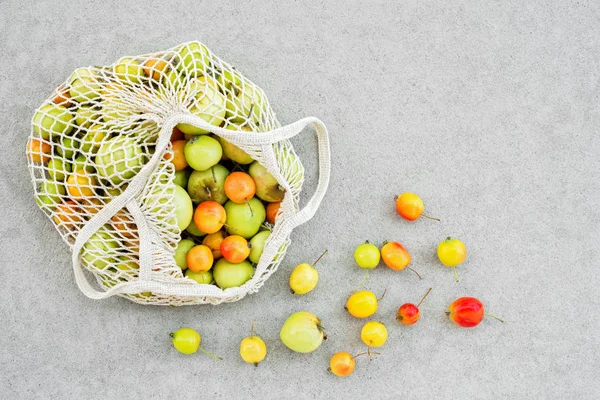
[302, 332]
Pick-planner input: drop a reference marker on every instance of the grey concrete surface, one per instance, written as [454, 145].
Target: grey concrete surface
[489, 110]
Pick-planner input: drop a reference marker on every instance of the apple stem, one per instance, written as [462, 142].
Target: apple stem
[365, 353]
[172, 334]
[383, 295]
[212, 170]
[321, 256]
[210, 354]
[415, 273]
[363, 282]
[255, 365]
[250, 207]
[430, 217]
[455, 274]
[396, 197]
[426, 294]
[493, 316]
[252, 330]
[250, 112]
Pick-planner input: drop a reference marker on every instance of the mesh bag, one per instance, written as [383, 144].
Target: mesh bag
[100, 160]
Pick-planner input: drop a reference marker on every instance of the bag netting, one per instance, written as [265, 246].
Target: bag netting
[99, 156]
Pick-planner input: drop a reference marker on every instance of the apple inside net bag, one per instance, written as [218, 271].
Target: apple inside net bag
[103, 168]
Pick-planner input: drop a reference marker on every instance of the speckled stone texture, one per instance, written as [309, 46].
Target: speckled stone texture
[489, 110]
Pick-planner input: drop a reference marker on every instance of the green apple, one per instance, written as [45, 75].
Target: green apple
[58, 169]
[82, 163]
[184, 209]
[52, 119]
[208, 185]
[194, 59]
[128, 70]
[230, 79]
[245, 219]
[302, 332]
[267, 187]
[183, 247]
[87, 116]
[193, 230]
[294, 171]
[114, 108]
[203, 278]
[227, 274]
[257, 244]
[126, 264]
[67, 147]
[50, 193]
[202, 152]
[246, 106]
[115, 191]
[119, 158]
[209, 104]
[91, 141]
[182, 177]
[84, 85]
[233, 152]
[172, 82]
[101, 249]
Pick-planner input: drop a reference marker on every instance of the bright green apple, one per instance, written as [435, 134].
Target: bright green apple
[115, 108]
[58, 169]
[233, 152]
[257, 244]
[208, 185]
[184, 209]
[82, 163]
[51, 120]
[230, 79]
[182, 177]
[119, 158]
[126, 264]
[209, 104]
[84, 85]
[202, 152]
[245, 219]
[173, 82]
[101, 249]
[203, 278]
[128, 70]
[246, 106]
[87, 116]
[302, 332]
[193, 230]
[50, 193]
[193, 58]
[183, 247]
[291, 164]
[67, 147]
[93, 138]
[267, 187]
[227, 274]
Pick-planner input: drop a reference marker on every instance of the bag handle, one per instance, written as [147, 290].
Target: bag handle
[137, 184]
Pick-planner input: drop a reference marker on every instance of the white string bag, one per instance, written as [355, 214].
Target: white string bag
[99, 156]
